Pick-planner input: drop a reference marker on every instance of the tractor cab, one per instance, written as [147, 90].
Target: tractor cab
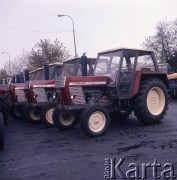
[122, 66]
[40, 90]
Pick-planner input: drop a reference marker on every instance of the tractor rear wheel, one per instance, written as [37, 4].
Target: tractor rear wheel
[1, 131]
[94, 121]
[151, 102]
[64, 119]
[47, 114]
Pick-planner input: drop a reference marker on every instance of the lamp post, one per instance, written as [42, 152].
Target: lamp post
[61, 15]
[9, 62]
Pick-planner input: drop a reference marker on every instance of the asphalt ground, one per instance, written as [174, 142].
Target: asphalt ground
[33, 151]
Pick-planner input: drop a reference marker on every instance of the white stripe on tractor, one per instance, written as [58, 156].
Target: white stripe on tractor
[40, 86]
[87, 83]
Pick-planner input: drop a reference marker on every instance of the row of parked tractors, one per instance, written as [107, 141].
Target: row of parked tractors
[89, 91]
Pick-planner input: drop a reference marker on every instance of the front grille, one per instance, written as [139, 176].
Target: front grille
[60, 82]
[78, 95]
[20, 95]
[40, 95]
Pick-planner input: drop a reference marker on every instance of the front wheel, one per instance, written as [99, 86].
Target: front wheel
[64, 119]
[94, 121]
[32, 114]
[151, 102]
[47, 114]
[1, 131]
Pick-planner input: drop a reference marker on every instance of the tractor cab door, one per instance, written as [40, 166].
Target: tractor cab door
[126, 74]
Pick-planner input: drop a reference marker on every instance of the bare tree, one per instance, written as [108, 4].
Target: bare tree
[19, 64]
[164, 42]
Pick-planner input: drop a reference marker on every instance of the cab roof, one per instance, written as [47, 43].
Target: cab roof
[125, 48]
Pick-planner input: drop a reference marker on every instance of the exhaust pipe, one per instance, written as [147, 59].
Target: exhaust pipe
[17, 78]
[21, 78]
[26, 75]
[84, 64]
[13, 79]
[46, 71]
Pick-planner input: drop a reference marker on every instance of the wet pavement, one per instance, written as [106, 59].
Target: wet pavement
[33, 151]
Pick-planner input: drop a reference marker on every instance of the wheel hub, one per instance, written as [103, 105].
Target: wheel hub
[66, 118]
[155, 101]
[35, 115]
[97, 121]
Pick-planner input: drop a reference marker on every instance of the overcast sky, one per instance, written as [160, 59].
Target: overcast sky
[99, 24]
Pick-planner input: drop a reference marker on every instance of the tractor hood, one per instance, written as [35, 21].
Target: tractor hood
[35, 90]
[70, 81]
[72, 86]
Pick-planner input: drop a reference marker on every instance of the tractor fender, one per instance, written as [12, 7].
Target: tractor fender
[139, 77]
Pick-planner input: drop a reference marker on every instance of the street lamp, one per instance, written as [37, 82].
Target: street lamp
[9, 62]
[60, 15]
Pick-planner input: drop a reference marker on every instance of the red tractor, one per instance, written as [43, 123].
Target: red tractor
[121, 83]
[41, 94]
[40, 91]
[17, 95]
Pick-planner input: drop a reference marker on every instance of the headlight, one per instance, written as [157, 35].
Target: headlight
[35, 96]
[73, 96]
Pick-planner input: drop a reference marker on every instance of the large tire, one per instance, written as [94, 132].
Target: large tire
[64, 119]
[94, 121]
[151, 102]
[47, 114]
[32, 114]
[120, 115]
[4, 108]
[1, 131]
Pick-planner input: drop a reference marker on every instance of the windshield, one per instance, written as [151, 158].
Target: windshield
[39, 75]
[145, 62]
[68, 70]
[108, 64]
[57, 72]
[31, 75]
